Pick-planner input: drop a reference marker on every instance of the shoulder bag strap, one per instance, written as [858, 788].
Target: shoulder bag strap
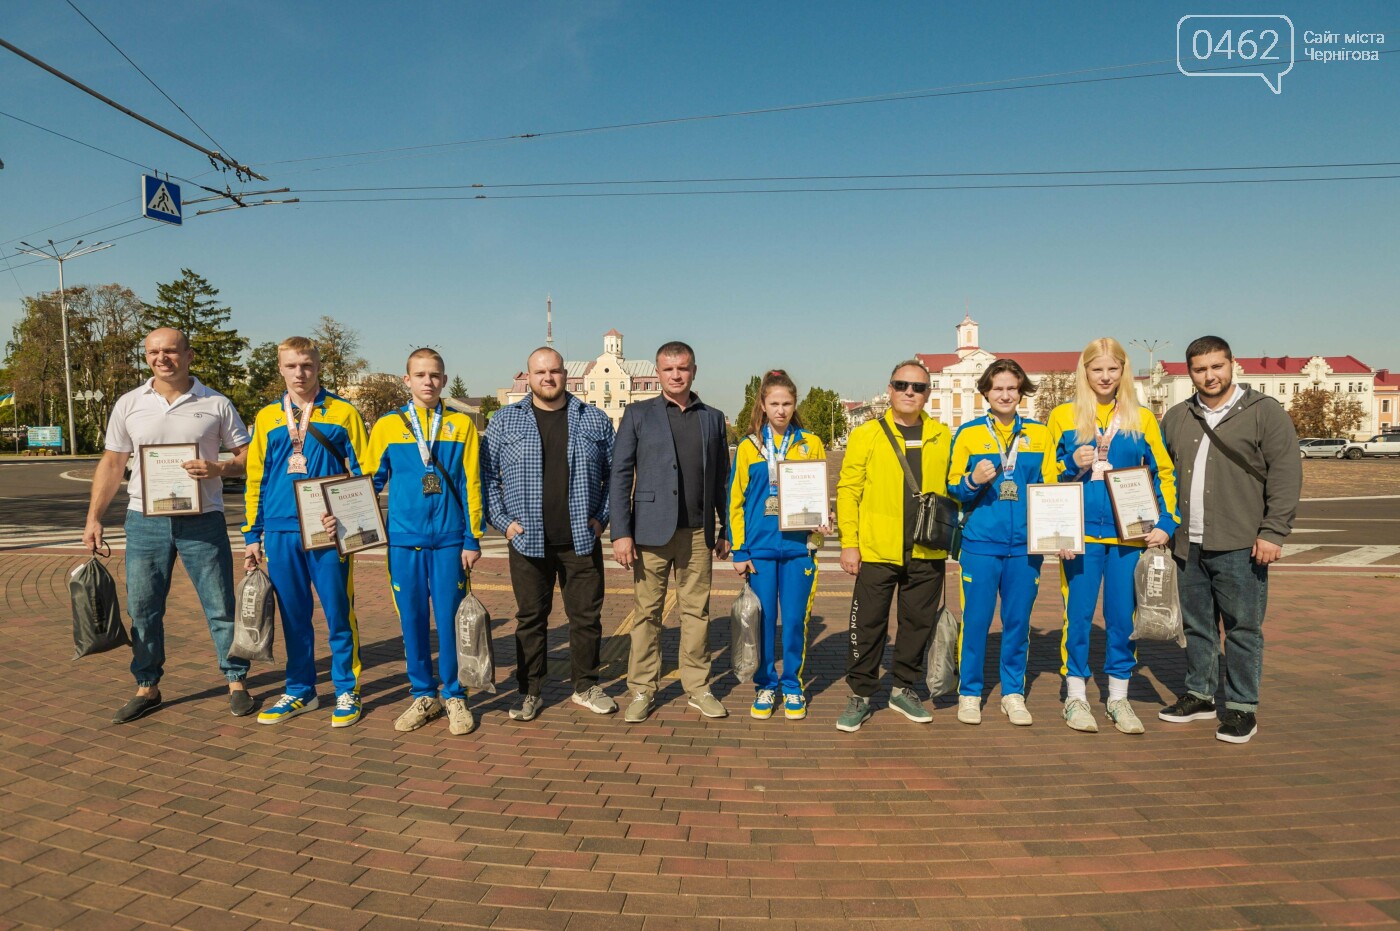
[330, 447]
[1230, 454]
[903, 460]
[446, 479]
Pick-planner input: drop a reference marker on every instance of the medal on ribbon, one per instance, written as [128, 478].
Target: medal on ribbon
[1102, 442]
[774, 456]
[296, 433]
[432, 483]
[1008, 489]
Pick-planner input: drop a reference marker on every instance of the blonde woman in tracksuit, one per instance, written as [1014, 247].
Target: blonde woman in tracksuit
[994, 458]
[780, 565]
[1102, 429]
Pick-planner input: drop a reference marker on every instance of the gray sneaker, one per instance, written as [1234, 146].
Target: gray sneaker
[420, 712]
[1079, 717]
[595, 700]
[529, 709]
[708, 705]
[907, 703]
[639, 709]
[857, 713]
[970, 709]
[460, 719]
[1121, 712]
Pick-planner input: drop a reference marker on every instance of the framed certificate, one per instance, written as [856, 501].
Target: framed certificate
[802, 494]
[1134, 502]
[355, 505]
[311, 507]
[167, 490]
[1055, 518]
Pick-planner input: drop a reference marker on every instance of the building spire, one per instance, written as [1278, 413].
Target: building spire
[549, 321]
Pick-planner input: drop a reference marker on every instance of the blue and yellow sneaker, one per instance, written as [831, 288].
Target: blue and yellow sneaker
[347, 710]
[763, 704]
[795, 707]
[288, 706]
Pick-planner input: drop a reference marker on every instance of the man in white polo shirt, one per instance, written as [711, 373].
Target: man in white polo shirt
[172, 407]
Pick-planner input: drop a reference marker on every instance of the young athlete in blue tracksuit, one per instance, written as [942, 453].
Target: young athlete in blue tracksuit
[994, 458]
[1104, 429]
[429, 459]
[307, 433]
[780, 565]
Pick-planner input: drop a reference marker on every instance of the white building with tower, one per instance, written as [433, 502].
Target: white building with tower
[609, 382]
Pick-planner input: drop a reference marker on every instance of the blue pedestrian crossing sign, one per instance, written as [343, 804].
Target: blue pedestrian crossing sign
[160, 200]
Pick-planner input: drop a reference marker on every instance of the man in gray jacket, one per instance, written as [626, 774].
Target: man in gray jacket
[1240, 477]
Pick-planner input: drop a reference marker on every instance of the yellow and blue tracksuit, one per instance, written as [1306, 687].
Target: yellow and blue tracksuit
[785, 570]
[1107, 561]
[994, 561]
[427, 534]
[271, 513]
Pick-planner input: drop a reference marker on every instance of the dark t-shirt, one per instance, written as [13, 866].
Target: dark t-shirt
[554, 446]
[685, 433]
[915, 455]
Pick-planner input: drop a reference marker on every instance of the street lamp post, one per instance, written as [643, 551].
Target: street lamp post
[1151, 348]
[77, 251]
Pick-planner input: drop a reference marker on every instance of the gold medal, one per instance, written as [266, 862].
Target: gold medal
[770, 506]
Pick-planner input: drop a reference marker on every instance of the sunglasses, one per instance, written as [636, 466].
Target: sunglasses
[918, 387]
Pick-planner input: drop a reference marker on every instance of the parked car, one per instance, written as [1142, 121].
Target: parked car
[1321, 449]
[1383, 444]
[231, 484]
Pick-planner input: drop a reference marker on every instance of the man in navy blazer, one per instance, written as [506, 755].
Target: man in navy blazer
[668, 504]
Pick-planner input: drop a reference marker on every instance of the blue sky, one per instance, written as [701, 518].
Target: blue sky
[832, 286]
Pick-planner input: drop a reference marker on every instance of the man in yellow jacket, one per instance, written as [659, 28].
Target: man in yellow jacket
[875, 512]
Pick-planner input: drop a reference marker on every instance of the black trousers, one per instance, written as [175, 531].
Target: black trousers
[919, 583]
[580, 579]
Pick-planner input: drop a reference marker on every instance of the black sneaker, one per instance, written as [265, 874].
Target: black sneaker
[138, 706]
[1188, 708]
[1236, 727]
[240, 702]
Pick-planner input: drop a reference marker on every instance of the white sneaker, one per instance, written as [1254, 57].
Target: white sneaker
[1124, 718]
[970, 709]
[1014, 707]
[1079, 717]
[419, 712]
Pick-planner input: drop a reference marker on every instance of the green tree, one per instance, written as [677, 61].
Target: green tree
[822, 412]
[264, 382]
[377, 394]
[189, 305]
[339, 345]
[458, 388]
[489, 406]
[745, 416]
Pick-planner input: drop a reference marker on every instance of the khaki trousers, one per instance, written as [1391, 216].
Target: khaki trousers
[692, 560]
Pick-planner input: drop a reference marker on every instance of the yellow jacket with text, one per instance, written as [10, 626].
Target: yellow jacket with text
[871, 493]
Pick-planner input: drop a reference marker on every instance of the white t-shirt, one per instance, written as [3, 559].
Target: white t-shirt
[1196, 523]
[201, 416]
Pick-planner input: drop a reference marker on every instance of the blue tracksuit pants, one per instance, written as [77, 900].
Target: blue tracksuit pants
[416, 578]
[1016, 580]
[294, 573]
[785, 587]
[1110, 565]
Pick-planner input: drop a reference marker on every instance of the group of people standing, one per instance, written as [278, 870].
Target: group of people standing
[551, 474]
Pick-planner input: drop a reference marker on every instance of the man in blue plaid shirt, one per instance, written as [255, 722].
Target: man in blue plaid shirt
[546, 462]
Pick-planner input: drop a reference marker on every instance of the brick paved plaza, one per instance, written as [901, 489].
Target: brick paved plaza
[191, 818]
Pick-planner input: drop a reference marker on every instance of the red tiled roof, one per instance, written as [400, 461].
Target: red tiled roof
[1386, 380]
[937, 361]
[612, 333]
[1284, 365]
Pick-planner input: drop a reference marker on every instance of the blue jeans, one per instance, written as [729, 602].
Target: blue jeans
[151, 546]
[1224, 587]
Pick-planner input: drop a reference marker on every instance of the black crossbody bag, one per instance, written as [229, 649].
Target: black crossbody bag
[936, 524]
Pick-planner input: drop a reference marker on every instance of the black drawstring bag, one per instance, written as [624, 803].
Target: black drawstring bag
[97, 615]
